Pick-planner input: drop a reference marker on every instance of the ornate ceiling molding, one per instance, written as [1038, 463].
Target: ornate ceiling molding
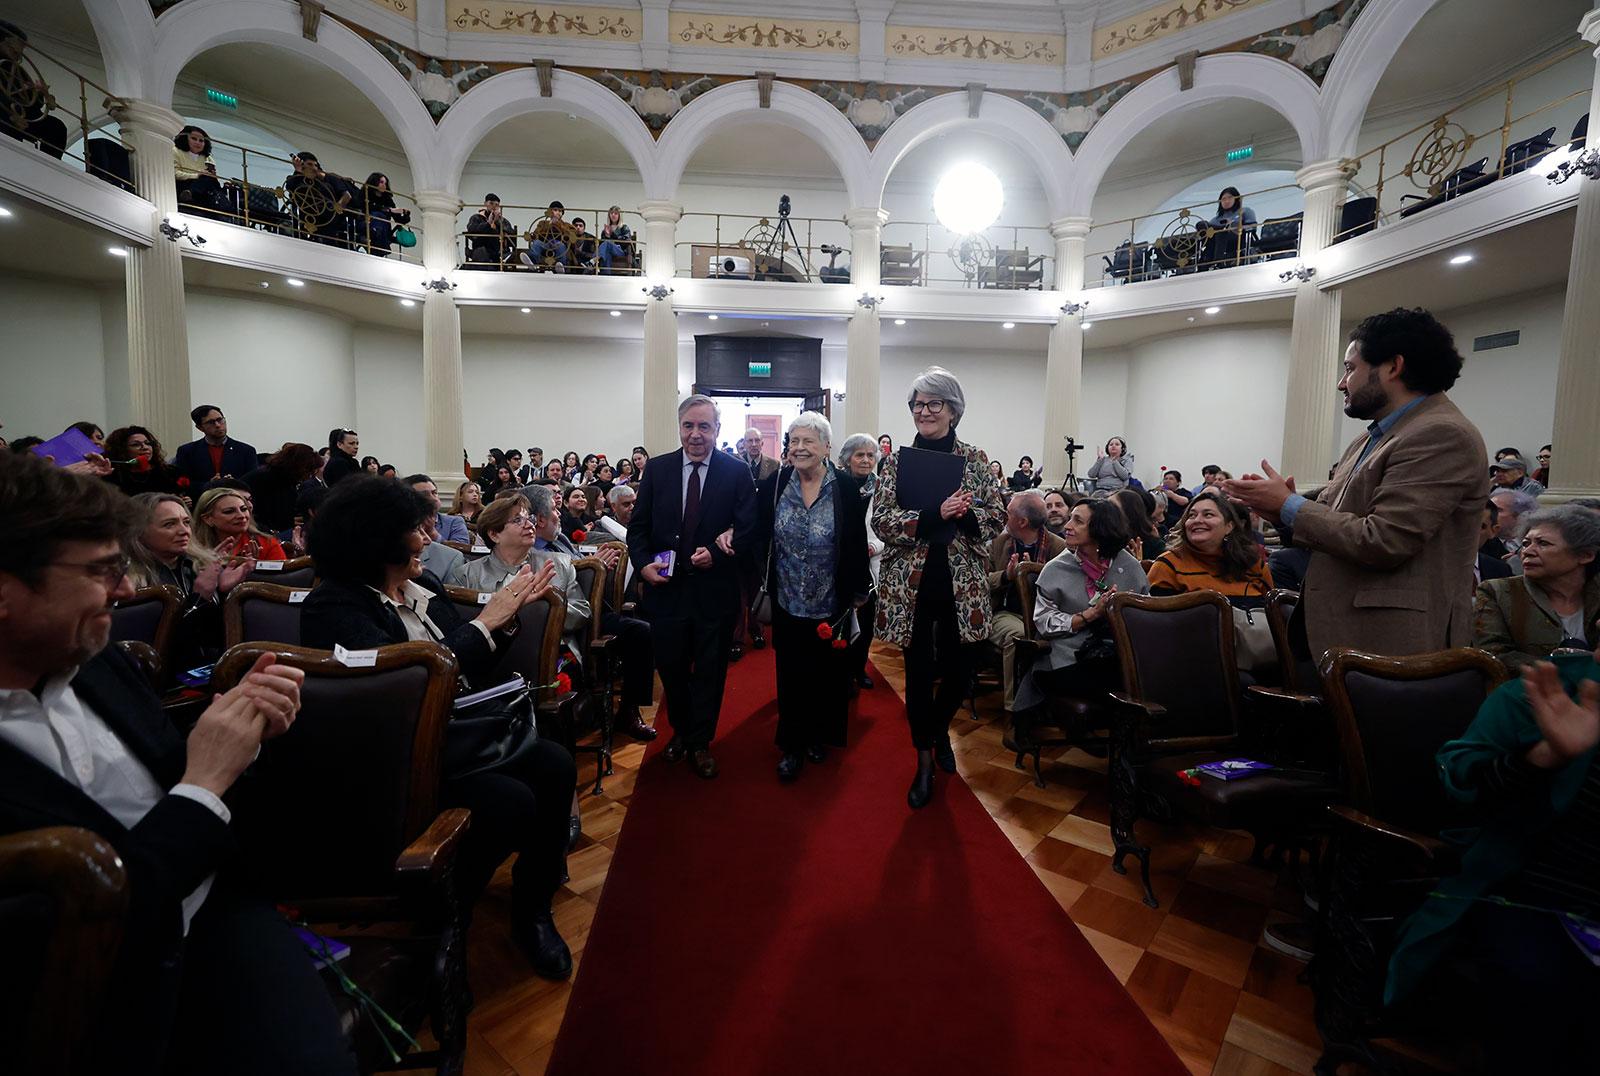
[406, 9]
[707, 31]
[942, 43]
[1162, 21]
[543, 20]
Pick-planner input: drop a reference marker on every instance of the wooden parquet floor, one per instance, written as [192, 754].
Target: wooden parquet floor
[1226, 1003]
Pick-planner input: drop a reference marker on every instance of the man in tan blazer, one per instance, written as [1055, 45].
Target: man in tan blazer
[1026, 539]
[1394, 533]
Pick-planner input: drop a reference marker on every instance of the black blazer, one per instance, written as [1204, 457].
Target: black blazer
[727, 499]
[193, 461]
[852, 579]
[169, 851]
[340, 465]
[353, 616]
[1491, 566]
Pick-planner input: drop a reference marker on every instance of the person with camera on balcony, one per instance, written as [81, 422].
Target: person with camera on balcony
[320, 199]
[491, 239]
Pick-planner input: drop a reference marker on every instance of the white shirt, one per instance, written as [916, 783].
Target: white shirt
[413, 614]
[56, 729]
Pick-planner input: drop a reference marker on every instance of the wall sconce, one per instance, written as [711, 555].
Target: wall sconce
[1586, 164]
[174, 233]
[441, 285]
[1302, 273]
[869, 301]
[1072, 309]
[658, 292]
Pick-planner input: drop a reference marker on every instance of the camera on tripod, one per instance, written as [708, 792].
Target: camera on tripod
[783, 205]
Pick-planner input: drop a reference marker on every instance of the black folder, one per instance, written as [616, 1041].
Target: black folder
[924, 478]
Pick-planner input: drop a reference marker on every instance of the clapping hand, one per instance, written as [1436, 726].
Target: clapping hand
[1264, 493]
[229, 734]
[526, 586]
[956, 505]
[1570, 726]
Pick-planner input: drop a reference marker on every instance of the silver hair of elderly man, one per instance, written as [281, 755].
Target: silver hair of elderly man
[622, 493]
[1030, 502]
[541, 500]
[815, 422]
[697, 399]
[855, 443]
[941, 384]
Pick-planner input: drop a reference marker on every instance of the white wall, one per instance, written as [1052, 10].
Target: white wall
[388, 373]
[1005, 411]
[52, 367]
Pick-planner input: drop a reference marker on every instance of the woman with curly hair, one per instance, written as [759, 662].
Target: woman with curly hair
[138, 464]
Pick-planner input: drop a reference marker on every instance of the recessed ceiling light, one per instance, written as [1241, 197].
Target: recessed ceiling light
[1461, 259]
[4, 212]
[1009, 325]
[1086, 326]
[899, 321]
[527, 310]
[1213, 310]
[711, 317]
[408, 302]
[265, 284]
[121, 252]
[616, 313]
[1190, 318]
[294, 282]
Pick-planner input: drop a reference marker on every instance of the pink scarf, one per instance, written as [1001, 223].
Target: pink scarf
[1092, 574]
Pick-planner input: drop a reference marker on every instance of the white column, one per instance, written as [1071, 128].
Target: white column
[158, 331]
[863, 369]
[660, 327]
[1310, 411]
[1063, 370]
[1575, 446]
[443, 410]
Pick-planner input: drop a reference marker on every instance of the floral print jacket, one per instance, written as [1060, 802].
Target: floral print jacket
[903, 555]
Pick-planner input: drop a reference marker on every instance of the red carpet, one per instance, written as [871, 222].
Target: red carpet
[749, 927]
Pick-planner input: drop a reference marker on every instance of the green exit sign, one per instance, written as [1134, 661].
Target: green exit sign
[1241, 153]
[218, 97]
[761, 369]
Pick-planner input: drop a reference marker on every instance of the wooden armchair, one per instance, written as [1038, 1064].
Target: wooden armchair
[262, 613]
[150, 616]
[294, 572]
[1013, 270]
[602, 664]
[901, 265]
[63, 898]
[1392, 715]
[339, 818]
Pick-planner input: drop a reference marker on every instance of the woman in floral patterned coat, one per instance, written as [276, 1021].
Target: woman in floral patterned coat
[933, 586]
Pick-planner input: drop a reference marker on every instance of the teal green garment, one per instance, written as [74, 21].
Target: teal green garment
[1495, 851]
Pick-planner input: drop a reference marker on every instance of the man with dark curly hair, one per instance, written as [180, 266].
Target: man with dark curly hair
[1394, 534]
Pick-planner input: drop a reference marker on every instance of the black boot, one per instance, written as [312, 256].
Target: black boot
[539, 941]
[922, 785]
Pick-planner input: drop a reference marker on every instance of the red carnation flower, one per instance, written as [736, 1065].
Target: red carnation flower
[839, 644]
[824, 631]
[183, 481]
[563, 683]
[578, 536]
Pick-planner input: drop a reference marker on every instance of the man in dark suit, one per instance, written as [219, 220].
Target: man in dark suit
[688, 501]
[208, 977]
[216, 455]
[1491, 551]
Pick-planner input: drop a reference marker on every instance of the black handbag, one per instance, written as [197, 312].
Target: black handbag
[490, 730]
[761, 605]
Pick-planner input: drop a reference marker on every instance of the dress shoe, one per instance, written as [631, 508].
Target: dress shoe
[735, 652]
[675, 750]
[703, 764]
[759, 642]
[922, 785]
[574, 831]
[631, 724]
[816, 753]
[865, 681]
[542, 945]
[789, 766]
[944, 756]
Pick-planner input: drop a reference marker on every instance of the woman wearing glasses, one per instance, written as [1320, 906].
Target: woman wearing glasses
[933, 589]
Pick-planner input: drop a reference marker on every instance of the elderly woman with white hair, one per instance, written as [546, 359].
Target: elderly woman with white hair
[1555, 602]
[858, 461]
[933, 589]
[814, 520]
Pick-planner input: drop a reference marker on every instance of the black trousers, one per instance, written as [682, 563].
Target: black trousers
[522, 808]
[638, 657]
[862, 646]
[48, 131]
[813, 684]
[936, 653]
[692, 628]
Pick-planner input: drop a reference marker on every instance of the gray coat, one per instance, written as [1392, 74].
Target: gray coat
[1110, 473]
[491, 573]
[1061, 592]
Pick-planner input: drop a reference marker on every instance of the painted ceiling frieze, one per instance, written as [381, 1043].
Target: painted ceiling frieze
[871, 107]
[607, 24]
[654, 96]
[439, 84]
[704, 31]
[1073, 115]
[932, 43]
[1310, 44]
[1161, 21]
[404, 8]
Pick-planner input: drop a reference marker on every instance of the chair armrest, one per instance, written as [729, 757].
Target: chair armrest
[432, 853]
[629, 607]
[553, 707]
[602, 642]
[1438, 855]
[1140, 711]
[1280, 701]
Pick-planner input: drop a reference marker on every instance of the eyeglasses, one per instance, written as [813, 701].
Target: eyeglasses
[108, 572]
[932, 407]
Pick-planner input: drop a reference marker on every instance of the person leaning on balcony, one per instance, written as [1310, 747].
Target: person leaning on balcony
[376, 229]
[320, 197]
[25, 106]
[195, 170]
[491, 239]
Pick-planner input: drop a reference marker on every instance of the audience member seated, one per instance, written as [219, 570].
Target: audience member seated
[208, 976]
[1512, 473]
[501, 480]
[320, 199]
[445, 563]
[1024, 541]
[25, 108]
[587, 471]
[1112, 468]
[1236, 225]
[1513, 506]
[1025, 477]
[1491, 552]
[366, 542]
[449, 528]
[491, 239]
[585, 247]
[550, 240]
[196, 171]
[1553, 604]
[605, 476]
[1056, 508]
[215, 454]
[371, 465]
[1213, 550]
[1177, 496]
[1147, 543]
[382, 216]
[162, 552]
[555, 473]
[1069, 609]
[1526, 769]
[275, 486]
[1541, 473]
[467, 504]
[1210, 475]
[92, 432]
[997, 470]
[1506, 453]
[343, 445]
[138, 465]
[616, 242]
[614, 525]
[223, 527]
[575, 511]
[518, 471]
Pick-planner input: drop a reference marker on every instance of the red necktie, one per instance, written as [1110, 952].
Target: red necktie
[691, 512]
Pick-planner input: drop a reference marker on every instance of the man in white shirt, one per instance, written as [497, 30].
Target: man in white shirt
[84, 742]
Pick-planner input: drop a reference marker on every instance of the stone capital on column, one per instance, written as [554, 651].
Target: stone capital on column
[1320, 175]
[865, 217]
[439, 202]
[657, 211]
[1589, 29]
[1071, 235]
[660, 256]
[439, 210]
[1071, 228]
[135, 116]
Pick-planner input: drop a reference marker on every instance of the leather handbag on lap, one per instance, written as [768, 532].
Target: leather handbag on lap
[490, 729]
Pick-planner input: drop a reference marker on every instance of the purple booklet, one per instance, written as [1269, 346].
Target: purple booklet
[66, 448]
[668, 561]
[1230, 769]
[1585, 935]
[323, 950]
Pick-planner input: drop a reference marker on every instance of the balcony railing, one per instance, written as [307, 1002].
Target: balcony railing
[549, 245]
[738, 246]
[31, 112]
[1188, 239]
[1488, 136]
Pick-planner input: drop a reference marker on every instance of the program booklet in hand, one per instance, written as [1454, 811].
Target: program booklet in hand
[924, 478]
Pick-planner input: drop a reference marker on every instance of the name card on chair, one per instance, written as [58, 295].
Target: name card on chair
[480, 549]
[355, 659]
[269, 566]
[484, 596]
[297, 596]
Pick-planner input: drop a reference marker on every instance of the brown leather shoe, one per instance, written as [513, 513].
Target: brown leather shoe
[702, 763]
[632, 725]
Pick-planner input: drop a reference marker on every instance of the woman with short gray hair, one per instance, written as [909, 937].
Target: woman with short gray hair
[933, 587]
[1554, 603]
